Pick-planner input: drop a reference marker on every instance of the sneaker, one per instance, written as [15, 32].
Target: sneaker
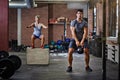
[69, 69]
[88, 69]
[32, 47]
[42, 46]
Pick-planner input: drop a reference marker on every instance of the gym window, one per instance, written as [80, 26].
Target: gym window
[113, 18]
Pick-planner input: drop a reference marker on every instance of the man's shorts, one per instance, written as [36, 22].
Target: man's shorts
[72, 44]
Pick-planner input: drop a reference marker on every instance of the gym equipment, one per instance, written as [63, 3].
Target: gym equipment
[80, 50]
[16, 60]
[3, 54]
[67, 40]
[6, 68]
[59, 42]
[37, 56]
[96, 46]
[56, 46]
[52, 43]
[51, 47]
[65, 45]
[46, 46]
[8, 64]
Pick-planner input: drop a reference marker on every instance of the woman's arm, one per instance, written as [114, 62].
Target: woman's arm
[32, 25]
[44, 26]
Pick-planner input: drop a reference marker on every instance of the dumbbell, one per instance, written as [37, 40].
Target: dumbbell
[9, 65]
[80, 50]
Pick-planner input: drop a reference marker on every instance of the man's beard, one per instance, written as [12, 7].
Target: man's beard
[80, 18]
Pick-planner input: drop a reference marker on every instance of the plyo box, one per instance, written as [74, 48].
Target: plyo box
[37, 56]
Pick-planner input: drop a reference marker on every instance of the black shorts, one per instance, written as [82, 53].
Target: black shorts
[73, 44]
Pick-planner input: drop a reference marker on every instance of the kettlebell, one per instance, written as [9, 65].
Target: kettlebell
[80, 50]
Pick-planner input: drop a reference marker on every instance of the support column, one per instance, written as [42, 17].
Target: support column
[4, 25]
[119, 38]
[19, 26]
[104, 42]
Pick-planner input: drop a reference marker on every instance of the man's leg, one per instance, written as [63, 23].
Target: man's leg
[71, 49]
[87, 58]
[70, 59]
[70, 56]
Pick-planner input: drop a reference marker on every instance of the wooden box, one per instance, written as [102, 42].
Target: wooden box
[38, 56]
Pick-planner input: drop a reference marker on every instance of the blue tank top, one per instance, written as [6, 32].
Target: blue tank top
[37, 30]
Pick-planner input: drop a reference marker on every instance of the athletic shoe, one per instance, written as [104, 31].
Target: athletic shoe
[42, 46]
[88, 69]
[69, 69]
[32, 47]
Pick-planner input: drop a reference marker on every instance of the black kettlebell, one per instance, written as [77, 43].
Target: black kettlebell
[80, 50]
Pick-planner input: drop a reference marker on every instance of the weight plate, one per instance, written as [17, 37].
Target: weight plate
[6, 68]
[16, 60]
[3, 54]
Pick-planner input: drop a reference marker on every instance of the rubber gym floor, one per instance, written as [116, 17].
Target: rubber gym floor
[56, 70]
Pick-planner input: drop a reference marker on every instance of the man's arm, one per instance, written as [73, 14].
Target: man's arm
[74, 35]
[84, 35]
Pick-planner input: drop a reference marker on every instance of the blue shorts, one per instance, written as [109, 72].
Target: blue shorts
[36, 36]
[72, 44]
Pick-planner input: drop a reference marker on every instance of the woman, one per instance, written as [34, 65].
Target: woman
[37, 34]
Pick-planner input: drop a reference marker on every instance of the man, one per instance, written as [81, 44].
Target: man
[79, 30]
[37, 31]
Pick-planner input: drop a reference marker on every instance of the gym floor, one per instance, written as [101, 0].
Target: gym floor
[56, 70]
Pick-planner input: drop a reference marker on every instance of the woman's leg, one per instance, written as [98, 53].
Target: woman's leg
[42, 38]
[32, 41]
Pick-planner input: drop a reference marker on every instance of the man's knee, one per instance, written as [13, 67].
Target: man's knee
[70, 51]
[86, 51]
